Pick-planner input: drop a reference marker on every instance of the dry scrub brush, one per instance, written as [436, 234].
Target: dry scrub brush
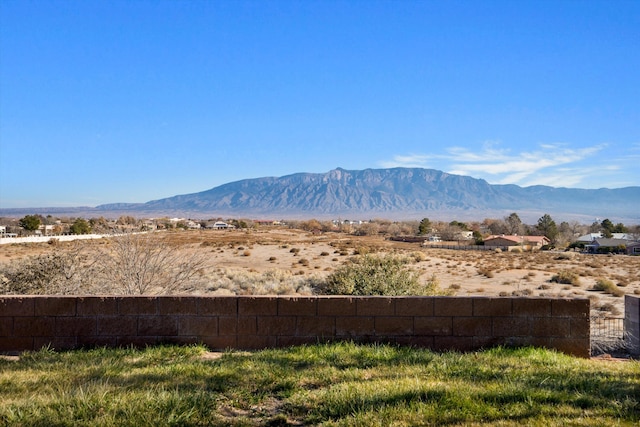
[566, 277]
[270, 282]
[378, 275]
[146, 264]
[608, 287]
[66, 271]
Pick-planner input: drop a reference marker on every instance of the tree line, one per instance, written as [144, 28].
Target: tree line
[559, 234]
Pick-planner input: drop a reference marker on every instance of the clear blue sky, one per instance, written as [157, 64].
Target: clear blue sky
[130, 101]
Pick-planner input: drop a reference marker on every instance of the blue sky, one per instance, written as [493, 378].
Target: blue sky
[130, 101]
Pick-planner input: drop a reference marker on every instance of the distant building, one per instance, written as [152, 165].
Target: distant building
[220, 225]
[588, 238]
[526, 242]
[604, 245]
[633, 248]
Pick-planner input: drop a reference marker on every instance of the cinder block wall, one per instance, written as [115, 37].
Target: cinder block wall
[256, 322]
[632, 323]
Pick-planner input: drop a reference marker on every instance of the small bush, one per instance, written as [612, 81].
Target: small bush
[566, 277]
[608, 287]
[419, 256]
[486, 272]
[377, 275]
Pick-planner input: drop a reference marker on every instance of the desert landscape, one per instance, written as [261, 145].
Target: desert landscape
[285, 261]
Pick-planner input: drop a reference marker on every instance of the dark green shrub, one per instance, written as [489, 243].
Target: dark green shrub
[377, 275]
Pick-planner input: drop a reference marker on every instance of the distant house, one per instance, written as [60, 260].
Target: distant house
[526, 242]
[466, 235]
[588, 238]
[149, 225]
[633, 248]
[220, 225]
[44, 229]
[604, 245]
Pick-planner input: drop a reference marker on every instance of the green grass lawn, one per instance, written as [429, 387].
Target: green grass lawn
[341, 384]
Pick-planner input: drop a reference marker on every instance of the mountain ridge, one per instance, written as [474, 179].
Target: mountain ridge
[392, 192]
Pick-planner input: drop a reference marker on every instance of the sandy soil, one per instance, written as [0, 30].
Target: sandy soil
[462, 273]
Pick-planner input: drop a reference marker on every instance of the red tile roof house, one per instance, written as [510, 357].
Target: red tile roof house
[525, 242]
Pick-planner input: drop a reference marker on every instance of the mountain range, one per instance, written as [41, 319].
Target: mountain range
[402, 193]
[396, 193]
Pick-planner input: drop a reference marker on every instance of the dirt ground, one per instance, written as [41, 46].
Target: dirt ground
[300, 254]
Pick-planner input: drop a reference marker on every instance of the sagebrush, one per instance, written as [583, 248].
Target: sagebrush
[378, 275]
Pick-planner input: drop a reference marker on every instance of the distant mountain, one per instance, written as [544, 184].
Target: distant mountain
[392, 193]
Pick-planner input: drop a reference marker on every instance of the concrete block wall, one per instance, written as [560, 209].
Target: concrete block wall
[256, 322]
[632, 323]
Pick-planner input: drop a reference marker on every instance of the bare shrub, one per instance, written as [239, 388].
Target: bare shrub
[486, 272]
[565, 256]
[419, 256]
[270, 282]
[145, 264]
[608, 307]
[566, 277]
[623, 282]
[67, 271]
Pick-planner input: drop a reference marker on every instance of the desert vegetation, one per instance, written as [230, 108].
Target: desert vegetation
[308, 258]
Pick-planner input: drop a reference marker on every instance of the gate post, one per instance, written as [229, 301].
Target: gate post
[632, 323]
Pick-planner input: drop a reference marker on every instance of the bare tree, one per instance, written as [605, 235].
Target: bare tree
[496, 226]
[513, 224]
[368, 229]
[145, 264]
